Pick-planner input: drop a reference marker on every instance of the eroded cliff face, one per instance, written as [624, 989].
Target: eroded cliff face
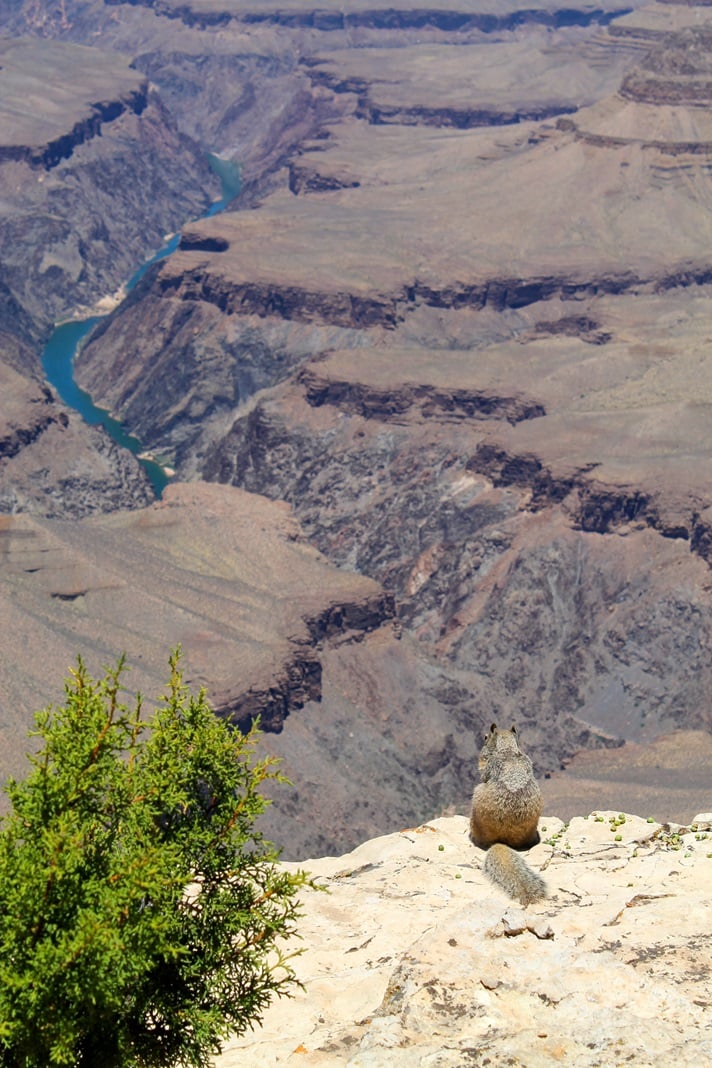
[97, 166]
[455, 18]
[53, 464]
[76, 218]
[93, 172]
[503, 437]
[535, 590]
[493, 424]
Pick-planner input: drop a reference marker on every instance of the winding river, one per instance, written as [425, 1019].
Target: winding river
[64, 343]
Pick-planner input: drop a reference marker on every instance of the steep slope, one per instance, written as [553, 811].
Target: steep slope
[52, 464]
[92, 174]
[551, 590]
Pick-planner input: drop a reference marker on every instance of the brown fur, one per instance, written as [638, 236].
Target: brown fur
[506, 807]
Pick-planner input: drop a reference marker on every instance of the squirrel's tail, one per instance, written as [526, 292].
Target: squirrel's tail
[510, 872]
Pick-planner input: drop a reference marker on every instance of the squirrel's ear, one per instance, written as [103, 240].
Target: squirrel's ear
[514, 728]
[493, 728]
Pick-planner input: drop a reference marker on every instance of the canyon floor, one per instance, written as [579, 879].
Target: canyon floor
[436, 388]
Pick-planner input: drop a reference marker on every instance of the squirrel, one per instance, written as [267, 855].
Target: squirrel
[506, 807]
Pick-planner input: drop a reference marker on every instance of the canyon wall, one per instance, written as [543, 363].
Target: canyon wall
[457, 322]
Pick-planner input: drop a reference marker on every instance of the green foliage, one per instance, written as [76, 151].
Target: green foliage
[141, 913]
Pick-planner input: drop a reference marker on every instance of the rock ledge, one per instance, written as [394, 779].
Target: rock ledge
[413, 958]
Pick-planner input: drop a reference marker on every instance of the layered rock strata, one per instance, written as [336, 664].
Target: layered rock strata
[51, 462]
[478, 379]
[474, 85]
[93, 173]
[480, 555]
[443, 15]
[89, 91]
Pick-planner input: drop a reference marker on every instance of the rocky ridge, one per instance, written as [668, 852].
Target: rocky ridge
[467, 560]
[85, 100]
[443, 15]
[412, 957]
[422, 84]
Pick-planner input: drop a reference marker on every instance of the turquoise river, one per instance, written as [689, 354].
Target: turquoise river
[63, 345]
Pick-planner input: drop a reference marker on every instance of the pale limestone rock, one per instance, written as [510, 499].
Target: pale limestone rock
[414, 958]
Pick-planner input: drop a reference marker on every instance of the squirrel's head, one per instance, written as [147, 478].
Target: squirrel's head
[494, 729]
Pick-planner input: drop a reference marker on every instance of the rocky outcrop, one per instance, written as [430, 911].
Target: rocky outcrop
[663, 103]
[286, 302]
[693, 147]
[95, 90]
[456, 119]
[593, 505]
[301, 680]
[198, 243]
[525, 471]
[307, 180]
[13, 438]
[397, 16]
[373, 403]
[52, 464]
[404, 17]
[676, 73]
[297, 683]
[62, 147]
[352, 620]
[349, 310]
[95, 126]
[581, 326]
[379, 114]
[435, 966]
